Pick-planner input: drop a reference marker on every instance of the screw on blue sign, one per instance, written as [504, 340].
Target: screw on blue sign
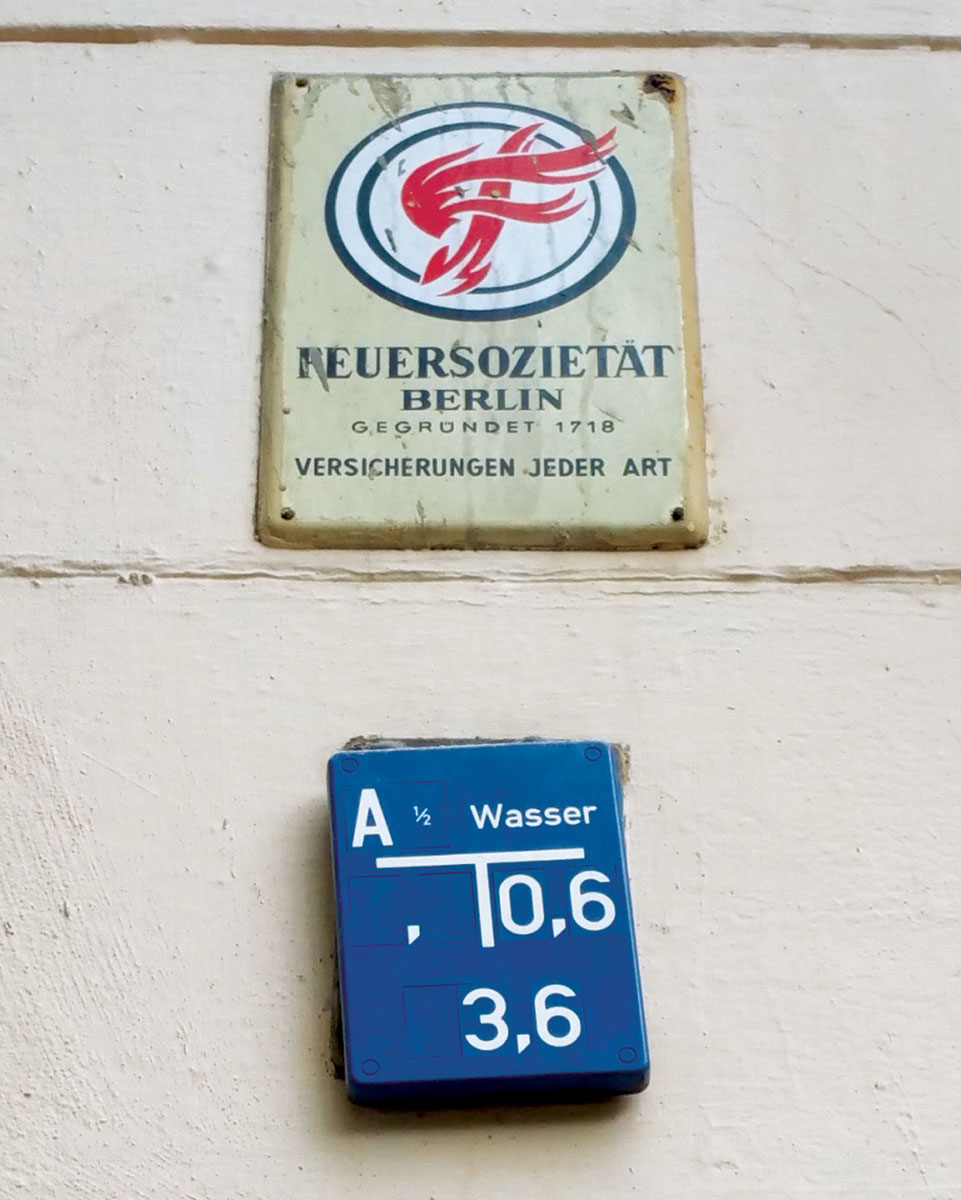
[484, 923]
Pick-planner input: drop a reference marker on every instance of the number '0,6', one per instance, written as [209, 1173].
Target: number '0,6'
[584, 904]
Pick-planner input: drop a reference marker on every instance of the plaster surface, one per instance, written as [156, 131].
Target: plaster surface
[170, 689]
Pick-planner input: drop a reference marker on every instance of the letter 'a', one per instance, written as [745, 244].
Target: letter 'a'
[371, 821]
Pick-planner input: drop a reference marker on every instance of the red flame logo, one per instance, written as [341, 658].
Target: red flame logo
[433, 197]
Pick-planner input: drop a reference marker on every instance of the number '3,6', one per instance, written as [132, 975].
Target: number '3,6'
[555, 1024]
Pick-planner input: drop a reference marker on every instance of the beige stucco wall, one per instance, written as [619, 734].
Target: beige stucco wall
[170, 689]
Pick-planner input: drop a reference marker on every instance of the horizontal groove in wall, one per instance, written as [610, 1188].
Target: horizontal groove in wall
[526, 39]
[142, 574]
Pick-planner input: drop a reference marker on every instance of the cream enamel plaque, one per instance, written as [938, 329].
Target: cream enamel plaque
[480, 324]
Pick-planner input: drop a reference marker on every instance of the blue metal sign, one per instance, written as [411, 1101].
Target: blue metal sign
[484, 922]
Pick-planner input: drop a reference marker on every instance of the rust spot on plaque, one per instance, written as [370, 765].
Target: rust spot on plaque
[665, 85]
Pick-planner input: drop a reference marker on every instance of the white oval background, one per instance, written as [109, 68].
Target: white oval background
[523, 253]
